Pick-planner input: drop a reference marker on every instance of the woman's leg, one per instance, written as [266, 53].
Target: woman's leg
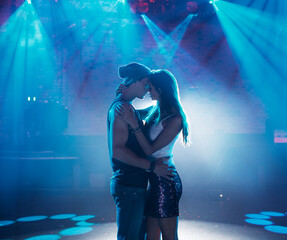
[168, 227]
[153, 230]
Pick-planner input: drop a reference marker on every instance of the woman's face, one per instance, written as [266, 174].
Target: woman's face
[154, 94]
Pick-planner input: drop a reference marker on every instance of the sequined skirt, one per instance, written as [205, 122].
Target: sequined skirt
[164, 196]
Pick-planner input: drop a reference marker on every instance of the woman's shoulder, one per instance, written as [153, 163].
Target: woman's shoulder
[174, 119]
[172, 116]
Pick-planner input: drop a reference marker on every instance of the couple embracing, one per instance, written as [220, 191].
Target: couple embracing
[145, 181]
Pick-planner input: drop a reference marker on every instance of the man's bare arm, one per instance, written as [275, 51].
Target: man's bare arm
[119, 136]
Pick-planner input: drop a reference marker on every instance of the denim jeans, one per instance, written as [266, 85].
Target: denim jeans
[130, 210]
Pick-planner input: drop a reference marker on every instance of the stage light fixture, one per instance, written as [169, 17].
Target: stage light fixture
[142, 7]
[192, 7]
[139, 6]
[29, 1]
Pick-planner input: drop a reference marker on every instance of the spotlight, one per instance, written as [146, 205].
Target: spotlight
[213, 2]
[191, 7]
[29, 1]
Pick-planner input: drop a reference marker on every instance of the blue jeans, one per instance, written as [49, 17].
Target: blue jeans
[130, 210]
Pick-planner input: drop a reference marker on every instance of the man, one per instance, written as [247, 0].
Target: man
[129, 163]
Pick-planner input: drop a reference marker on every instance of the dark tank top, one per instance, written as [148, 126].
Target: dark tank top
[125, 174]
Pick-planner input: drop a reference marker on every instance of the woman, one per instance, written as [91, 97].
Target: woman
[163, 125]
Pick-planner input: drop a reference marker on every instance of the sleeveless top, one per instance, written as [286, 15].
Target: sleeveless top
[125, 174]
[166, 151]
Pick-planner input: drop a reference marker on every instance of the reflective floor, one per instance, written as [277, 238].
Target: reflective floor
[90, 214]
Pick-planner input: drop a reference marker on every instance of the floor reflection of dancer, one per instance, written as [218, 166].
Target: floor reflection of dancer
[163, 125]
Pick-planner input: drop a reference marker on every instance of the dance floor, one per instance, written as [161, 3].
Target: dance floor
[90, 214]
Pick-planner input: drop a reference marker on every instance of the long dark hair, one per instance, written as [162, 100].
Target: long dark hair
[165, 82]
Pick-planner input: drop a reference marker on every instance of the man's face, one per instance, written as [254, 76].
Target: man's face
[142, 87]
